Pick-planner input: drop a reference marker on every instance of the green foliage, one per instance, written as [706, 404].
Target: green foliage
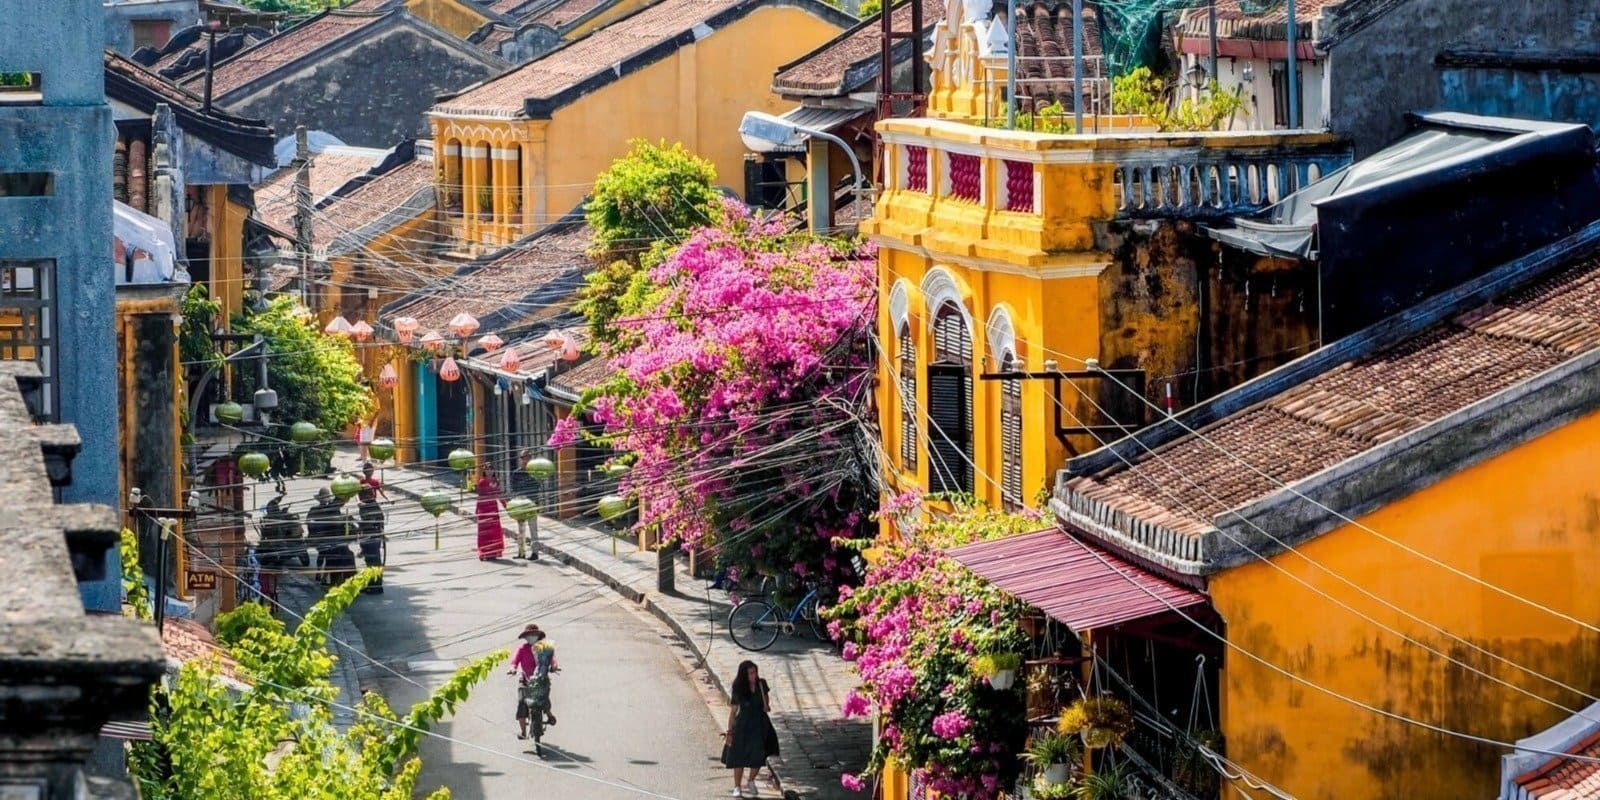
[133, 576]
[195, 347]
[986, 665]
[869, 8]
[276, 740]
[642, 206]
[1053, 748]
[1106, 783]
[292, 6]
[1052, 118]
[316, 376]
[1142, 92]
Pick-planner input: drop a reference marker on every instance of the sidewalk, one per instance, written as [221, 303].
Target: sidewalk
[809, 680]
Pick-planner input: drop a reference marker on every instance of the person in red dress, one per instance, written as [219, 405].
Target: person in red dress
[491, 536]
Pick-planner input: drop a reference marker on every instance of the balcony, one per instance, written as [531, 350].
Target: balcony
[1034, 199]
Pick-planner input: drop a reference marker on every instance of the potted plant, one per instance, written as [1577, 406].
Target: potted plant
[1040, 790]
[1000, 669]
[1106, 783]
[1053, 754]
[1100, 721]
[1191, 769]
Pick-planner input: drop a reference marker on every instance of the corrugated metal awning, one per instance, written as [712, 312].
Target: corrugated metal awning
[816, 118]
[133, 731]
[1081, 586]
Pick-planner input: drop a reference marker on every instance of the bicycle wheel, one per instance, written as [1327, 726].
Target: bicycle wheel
[753, 625]
[813, 615]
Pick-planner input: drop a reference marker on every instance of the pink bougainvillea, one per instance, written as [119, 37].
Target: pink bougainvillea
[740, 385]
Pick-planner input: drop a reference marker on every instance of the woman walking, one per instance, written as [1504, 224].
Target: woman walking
[491, 536]
[747, 742]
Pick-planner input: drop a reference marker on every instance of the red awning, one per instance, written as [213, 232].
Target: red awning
[1078, 585]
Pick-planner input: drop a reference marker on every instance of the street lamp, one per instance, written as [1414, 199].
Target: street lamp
[763, 132]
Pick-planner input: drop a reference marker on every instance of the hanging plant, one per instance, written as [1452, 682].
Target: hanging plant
[1053, 754]
[1101, 721]
[1000, 669]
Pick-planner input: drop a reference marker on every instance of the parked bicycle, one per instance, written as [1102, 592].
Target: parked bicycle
[755, 622]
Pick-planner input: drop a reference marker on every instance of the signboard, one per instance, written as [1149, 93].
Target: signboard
[198, 580]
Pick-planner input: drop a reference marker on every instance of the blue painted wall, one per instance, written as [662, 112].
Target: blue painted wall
[427, 414]
[69, 135]
[1542, 94]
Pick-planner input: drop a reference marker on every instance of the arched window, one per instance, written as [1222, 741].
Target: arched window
[1011, 498]
[483, 171]
[514, 186]
[451, 180]
[908, 399]
[950, 403]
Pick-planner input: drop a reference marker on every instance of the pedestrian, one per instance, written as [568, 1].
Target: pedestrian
[750, 737]
[491, 535]
[366, 431]
[534, 662]
[325, 525]
[371, 525]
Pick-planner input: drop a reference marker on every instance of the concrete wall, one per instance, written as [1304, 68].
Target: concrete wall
[120, 16]
[1387, 68]
[69, 135]
[372, 95]
[1524, 521]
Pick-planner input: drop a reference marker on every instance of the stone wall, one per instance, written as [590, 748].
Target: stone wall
[371, 95]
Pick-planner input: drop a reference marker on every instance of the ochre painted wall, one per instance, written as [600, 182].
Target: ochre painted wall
[1527, 521]
[227, 253]
[608, 15]
[457, 17]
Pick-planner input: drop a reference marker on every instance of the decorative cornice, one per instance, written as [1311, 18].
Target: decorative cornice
[1084, 270]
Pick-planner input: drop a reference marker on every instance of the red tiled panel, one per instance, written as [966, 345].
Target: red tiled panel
[1565, 778]
[1019, 186]
[966, 177]
[916, 168]
[1082, 587]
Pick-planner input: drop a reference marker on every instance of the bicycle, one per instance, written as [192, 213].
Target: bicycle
[754, 623]
[536, 696]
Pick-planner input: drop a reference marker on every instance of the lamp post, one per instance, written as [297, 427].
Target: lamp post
[764, 132]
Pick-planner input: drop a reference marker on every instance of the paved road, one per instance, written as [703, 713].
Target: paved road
[632, 721]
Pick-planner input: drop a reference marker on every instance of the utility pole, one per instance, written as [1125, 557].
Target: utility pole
[1211, 15]
[1294, 69]
[1077, 66]
[302, 210]
[1011, 65]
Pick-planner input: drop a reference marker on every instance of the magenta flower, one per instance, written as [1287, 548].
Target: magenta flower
[851, 782]
[855, 705]
[951, 724]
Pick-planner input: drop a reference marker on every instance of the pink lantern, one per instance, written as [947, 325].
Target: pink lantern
[463, 324]
[360, 330]
[569, 352]
[490, 342]
[388, 378]
[510, 362]
[555, 340]
[448, 371]
[432, 342]
[405, 327]
[338, 326]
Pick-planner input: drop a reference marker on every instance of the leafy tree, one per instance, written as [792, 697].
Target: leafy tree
[1142, 92]
[294, 6]
[642, 205]
[276, 740]
[869, 8]
[316, 376]
[133, 577]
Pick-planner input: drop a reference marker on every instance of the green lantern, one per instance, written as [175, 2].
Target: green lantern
[521, 509]
[304, 432]
[612, 507]
[344, 487]
[229, 412]
[540, 468]
[435, 502]
[462, 459]
[256, 465]
[615, 470]
[381, 449]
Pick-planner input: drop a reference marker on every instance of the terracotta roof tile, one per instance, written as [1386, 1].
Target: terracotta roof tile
[1044, 51]
[386, 194]
[535, 356]
[1359, 405]
[186, 641]
[1563, 778]
[596, 54]
[587, 375]
[329, 171]
[827, 69]
[1246, 19]
[507, 284]
[284, 49]
[564, 12]
[168, 90]
[491, 36]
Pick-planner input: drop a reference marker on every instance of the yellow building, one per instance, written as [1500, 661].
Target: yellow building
[531, 28]
[518, 151]
[1006, 255]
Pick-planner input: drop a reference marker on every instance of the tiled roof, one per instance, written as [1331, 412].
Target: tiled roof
[587, 375]
[186, 640]
[369, 5]
[491, 36]
[526, 280]
[284, 49]
[329, 171]
[1565, 778]
[565, 11]
[1044, 51]
[844, 63]
[168, 91]
[1187, 484]
[534, 356]
[348, 219]
[600, 57]
[1246, 19]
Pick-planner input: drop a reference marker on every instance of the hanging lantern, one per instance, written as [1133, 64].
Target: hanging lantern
[463, 324]
[490, 342]
[521, 509]
[510, 361]
[255, 465]
[432, 342]
[381, 449]
[388, 377]
[360, 330]
[569, 352]
[540, 468]
[555, 340]
[405, 328]
[449, 371]
[435, 502]
[303, 432]
[229, 412]
[344, 487]
[338, 326]
[462, 459]
[611, 507]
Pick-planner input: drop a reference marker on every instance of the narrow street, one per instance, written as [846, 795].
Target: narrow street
[632, 720]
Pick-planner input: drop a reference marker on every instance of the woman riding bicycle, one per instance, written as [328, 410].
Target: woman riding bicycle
[533, 663]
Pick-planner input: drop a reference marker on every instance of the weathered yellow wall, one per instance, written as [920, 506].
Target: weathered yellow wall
[1527, 521]
[227, 254]
[604, 18]
[403, 404]
[452, 15]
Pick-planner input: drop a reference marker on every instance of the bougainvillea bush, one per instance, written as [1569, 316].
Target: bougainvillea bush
[913, 630]
[739, 384]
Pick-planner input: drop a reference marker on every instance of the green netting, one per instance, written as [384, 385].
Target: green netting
[1131, 30]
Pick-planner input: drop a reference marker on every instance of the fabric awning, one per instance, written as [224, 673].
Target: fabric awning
[819, 118]
[143, 249]
[1079, 585]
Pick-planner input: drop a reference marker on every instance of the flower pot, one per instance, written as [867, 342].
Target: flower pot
[1003, 679]
[1096, 738]
[1057, 773]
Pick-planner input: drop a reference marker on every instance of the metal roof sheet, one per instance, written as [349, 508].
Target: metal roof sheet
[1078, 585]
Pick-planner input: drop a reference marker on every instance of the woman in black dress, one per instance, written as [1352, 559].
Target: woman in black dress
[750, 737]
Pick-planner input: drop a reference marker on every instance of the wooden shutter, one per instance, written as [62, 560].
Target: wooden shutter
[908, 401]
[949, 429]
[1011, 445]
